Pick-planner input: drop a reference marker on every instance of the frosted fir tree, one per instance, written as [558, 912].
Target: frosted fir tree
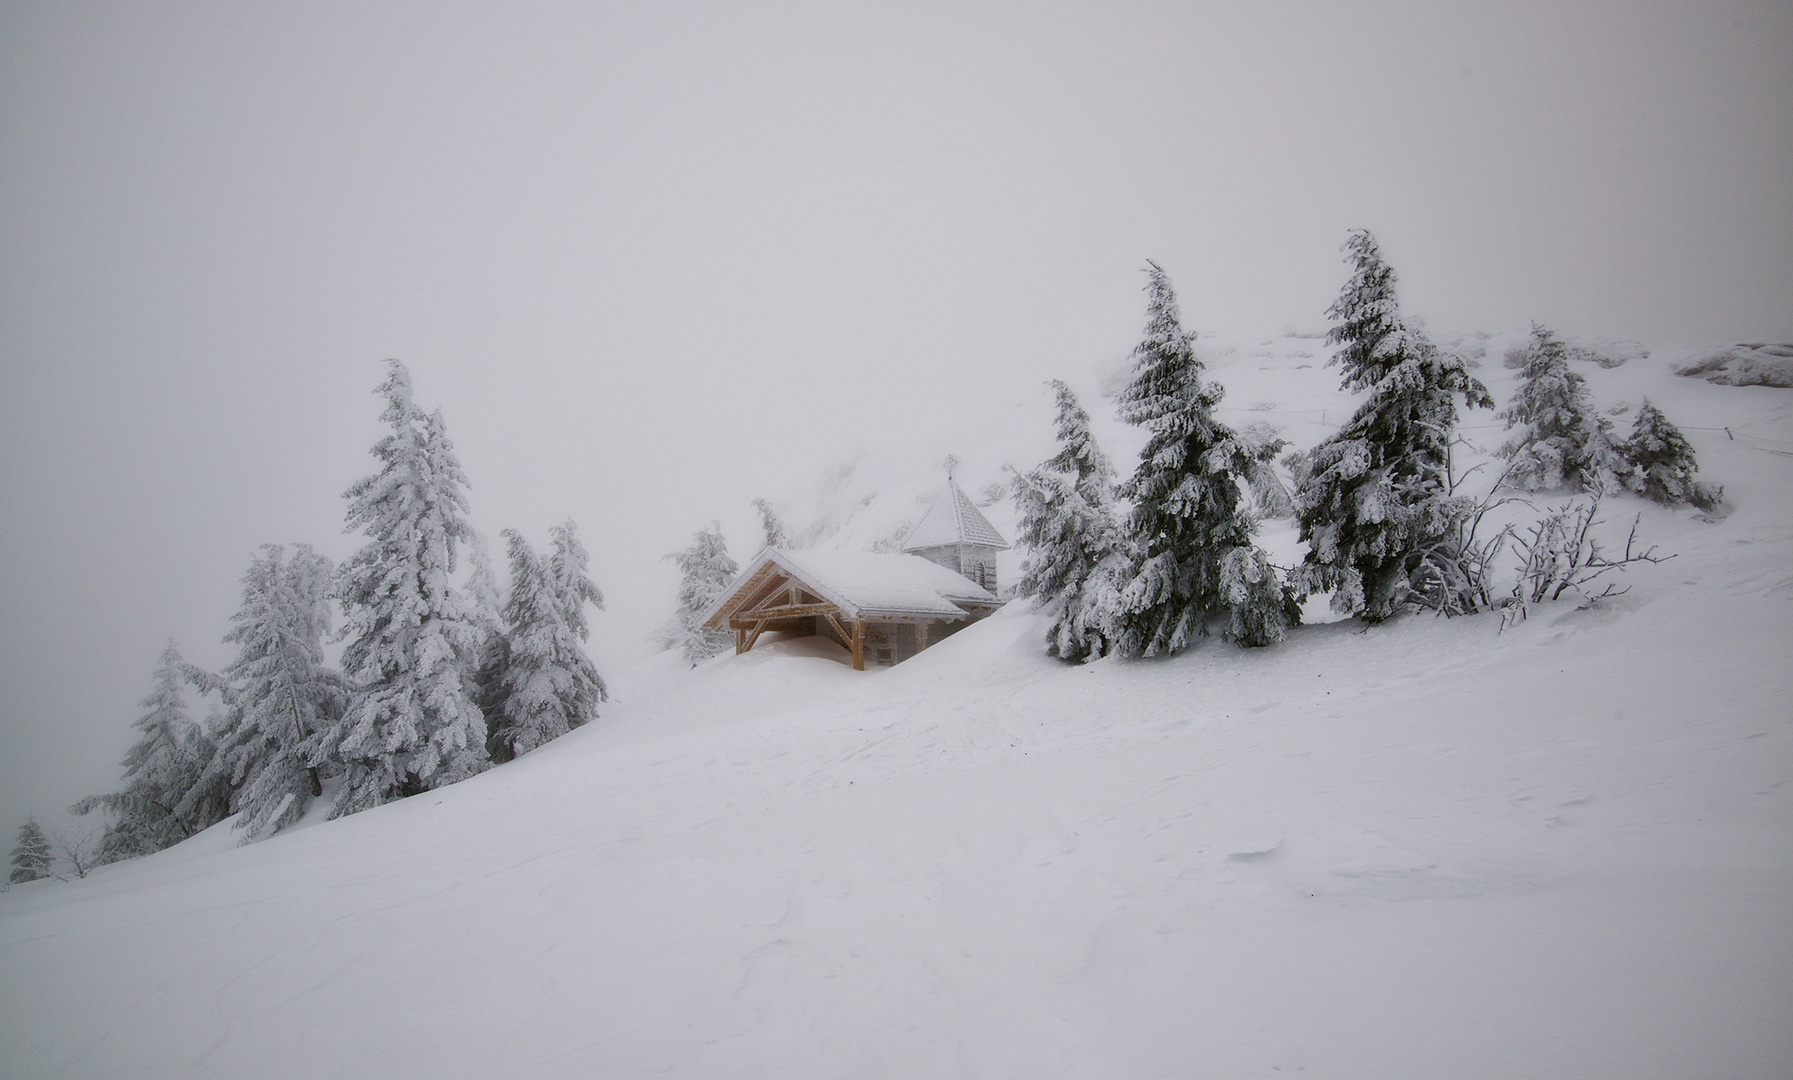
[482, 591]
[568, 568]
[1376, 503]
[705, 569]
[1564, 442]
[32, 855]
[211, 798]
[1662, 464]
[776, 537]
[414, 640]
[1270, 496]
[548, 685]
[487, 601]
[165, 763]
[280, 698]
[1076, 560]
[1193, 560]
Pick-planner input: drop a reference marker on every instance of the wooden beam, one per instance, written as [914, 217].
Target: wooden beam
[760, 590]
[751, 591]
[785, 611]
[771, 624]
[859, 645]
[834, 621]
[921, 636]
[740, 641]
[755, 636]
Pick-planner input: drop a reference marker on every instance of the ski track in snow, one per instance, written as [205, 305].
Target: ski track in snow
[1426, 848]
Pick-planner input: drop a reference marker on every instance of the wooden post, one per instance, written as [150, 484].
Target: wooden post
[859, 645]
[921, 636]
[740, 641]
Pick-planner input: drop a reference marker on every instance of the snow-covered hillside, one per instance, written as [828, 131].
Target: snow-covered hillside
[1425, 849]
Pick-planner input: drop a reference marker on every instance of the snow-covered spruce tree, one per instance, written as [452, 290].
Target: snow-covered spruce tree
[1269, 495]
[1376, 505]
[568, 568]
[1565, 442]
[159, 770]
[776, 537]
[414, 640]
[705, 569]
[1662, 465]
[488, 612]
[31, 857]
[1076, 556]
[482, 590]
[548, 685]
[211, 798]
[280, 698]
[1193, 561]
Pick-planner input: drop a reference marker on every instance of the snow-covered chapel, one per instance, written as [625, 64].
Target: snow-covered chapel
[880, 606]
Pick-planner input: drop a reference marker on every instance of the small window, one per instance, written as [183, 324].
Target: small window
[885, 656]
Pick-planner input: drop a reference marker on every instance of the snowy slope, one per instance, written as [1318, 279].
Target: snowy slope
[1428, 849]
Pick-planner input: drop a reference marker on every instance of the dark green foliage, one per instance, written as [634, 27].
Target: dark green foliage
[164, 765]
[705, 570]
[1565, 443]
[1662, 463]
[545, 684]
[31, 858]
[1376, 505]
[1075, 547]
[1193, 559]
[769, 523]
[414, 641]
[279, 696]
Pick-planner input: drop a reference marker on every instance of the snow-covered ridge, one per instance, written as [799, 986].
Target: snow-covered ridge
[1427, 849]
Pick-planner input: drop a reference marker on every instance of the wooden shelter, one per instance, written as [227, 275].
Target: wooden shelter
[885, 606]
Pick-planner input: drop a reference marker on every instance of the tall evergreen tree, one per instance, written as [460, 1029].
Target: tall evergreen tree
[1565, 442]
[1376, 505]
[1077, 558]
[1193, 558]
[211, 799]
[548, 685]
[31, 857]
[705, 569]
[159, 770]
[488, 612]
[280, 697]
[414, 640]
[573, 587]
[1662, 464]
[482, 591]
[769, 523]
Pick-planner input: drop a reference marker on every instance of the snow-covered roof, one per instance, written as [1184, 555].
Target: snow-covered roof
[952, 519]
[862, 584]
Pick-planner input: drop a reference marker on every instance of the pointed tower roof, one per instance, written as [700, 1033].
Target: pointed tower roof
[952, 519]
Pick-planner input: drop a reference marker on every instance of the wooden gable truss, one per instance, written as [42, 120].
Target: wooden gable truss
[776, 599]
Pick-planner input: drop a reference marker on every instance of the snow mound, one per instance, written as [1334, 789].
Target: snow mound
[1761, 364]
[1425, 848]
[1608, 352]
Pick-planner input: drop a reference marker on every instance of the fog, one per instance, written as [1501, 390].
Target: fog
[653, 261]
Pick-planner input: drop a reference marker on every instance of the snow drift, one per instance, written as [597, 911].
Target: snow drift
[1426, 849]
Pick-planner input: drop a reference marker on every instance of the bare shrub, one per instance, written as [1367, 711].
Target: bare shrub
[1559, 555]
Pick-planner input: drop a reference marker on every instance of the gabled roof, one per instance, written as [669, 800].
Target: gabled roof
[952, 519]
[862, 584]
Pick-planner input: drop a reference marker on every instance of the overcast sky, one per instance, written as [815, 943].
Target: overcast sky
[603, 236]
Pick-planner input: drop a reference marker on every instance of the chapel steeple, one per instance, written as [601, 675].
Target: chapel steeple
[955, 535]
